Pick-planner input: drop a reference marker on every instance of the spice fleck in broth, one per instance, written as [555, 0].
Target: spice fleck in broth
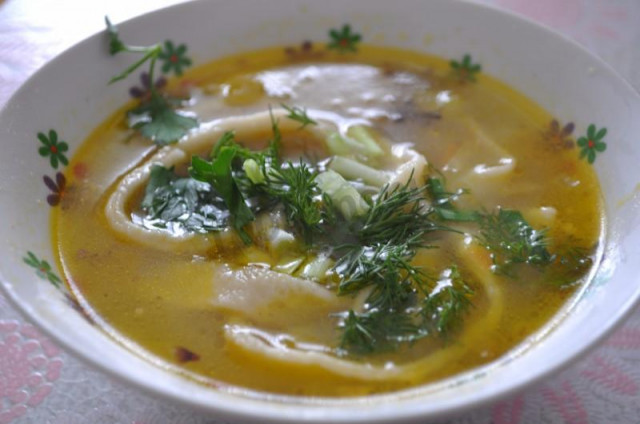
[332, 224]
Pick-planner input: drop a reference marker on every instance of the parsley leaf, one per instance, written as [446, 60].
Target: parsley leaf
[219, 174]
[115, 44]
[182, 204]
[443, 202]
[158, 121]
[155, 117]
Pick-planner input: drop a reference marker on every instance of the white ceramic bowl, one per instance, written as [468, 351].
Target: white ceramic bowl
[70, 96]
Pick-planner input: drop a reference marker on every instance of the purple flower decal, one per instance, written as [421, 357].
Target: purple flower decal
[144, 91]
[304, 52]
[560, 137]
[57, 187]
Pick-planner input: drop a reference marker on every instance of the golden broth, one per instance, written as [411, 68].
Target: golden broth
[160, 302]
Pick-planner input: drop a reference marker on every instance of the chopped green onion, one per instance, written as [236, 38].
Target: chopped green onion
[358, 140]
[354, 170]
[317, 268]
[343, 195]
[289, 265]
[442, 202]
[365, 138]
[253, 171]
[338, 145]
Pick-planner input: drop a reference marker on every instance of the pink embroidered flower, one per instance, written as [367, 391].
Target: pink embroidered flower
[508, 412]
[564, 399]
[29, 363]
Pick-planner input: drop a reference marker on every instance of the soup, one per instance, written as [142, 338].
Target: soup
[335, 225]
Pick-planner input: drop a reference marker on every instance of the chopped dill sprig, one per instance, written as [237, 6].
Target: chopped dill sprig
[511, 241]
[363, 266]
[387, 239]
[569, 264]
[295, 187]
[375, 332]
[442, 310]
[298, 114]
[396, 215]
[273, 151]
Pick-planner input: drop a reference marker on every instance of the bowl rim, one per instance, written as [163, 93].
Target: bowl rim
[238, 410]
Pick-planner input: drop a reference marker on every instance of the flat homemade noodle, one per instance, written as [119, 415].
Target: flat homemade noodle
[411, 164]
[249, 289]
[286, 350]
[120, 217]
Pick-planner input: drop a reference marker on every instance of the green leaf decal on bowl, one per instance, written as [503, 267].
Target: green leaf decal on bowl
[593, 143]
[344, 40]
[53, 148]
[465, 70]
[43, 269]
[174, 58]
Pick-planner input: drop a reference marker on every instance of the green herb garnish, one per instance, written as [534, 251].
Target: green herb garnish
[218, 173]
[511, 241]
[387, 238]
[443, 202]
[568, 265]
[296, 189]
[182, 203]
[465, 69]
[375, 332]
[158, 121]
[298, 114]
[260, 174]
[156, 117]
[397, 215]
[364, 266]
[366, 243]
[442, 310]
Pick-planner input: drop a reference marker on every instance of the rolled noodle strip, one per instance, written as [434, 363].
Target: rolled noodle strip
[250, 289]
[283, 348]
[246, 127]
[117, 210]
[273, 347]
[120, 219]
[494, 162]
[411, 167]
